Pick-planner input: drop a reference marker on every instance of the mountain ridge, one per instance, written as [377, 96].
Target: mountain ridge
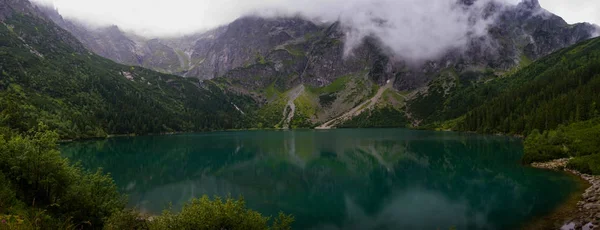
[219, 64]
[254, 56]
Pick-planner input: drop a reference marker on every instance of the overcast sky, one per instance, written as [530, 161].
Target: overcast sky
[173, 17]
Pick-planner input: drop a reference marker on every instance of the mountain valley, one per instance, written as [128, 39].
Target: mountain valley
[531, 75]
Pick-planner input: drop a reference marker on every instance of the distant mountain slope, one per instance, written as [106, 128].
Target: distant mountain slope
[553, 102]
[48, 76]
[110, 42]
[559, 89]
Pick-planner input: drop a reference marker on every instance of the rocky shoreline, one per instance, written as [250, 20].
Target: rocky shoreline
[587, 215]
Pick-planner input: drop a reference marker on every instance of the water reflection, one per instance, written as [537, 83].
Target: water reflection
[340, 179]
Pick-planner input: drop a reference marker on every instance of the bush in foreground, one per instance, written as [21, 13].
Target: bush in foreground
[40, 189]
[586, 164]
[218, 214]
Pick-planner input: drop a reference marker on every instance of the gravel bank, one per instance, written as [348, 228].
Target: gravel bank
[587, 215]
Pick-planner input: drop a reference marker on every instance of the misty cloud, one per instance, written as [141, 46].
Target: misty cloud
[412, 29]
[415, 29]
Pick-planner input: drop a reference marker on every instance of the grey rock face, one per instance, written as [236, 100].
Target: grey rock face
[10, 8]
[522, 32]
[112, 43]
[256, 52]
[243, 42]
[315, 59]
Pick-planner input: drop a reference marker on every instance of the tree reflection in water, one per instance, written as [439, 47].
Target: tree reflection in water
[338, 179]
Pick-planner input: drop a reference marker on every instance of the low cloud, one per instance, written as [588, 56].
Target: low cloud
[412, 29]
[597, 33]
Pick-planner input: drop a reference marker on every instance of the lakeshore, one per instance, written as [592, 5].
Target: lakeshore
[582, 210]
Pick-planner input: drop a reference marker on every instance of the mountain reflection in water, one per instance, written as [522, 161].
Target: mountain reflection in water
[337, 179]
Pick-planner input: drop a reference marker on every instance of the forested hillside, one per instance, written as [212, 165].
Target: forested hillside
[559, 89]
[47, 76]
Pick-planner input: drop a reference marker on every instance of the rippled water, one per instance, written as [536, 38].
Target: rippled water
[337, 179]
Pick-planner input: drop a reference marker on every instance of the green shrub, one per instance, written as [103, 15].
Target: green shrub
[126, 219]
[543, 147]
[34, 166]
[576, 139]
[586, 164]
[7, 194]
[53, 193]
[217, 214]
[92, 199]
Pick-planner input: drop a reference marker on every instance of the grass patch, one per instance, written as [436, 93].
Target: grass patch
[524, 61]
[271, 115]
[306, 108]
[386, 117]
[295, 51]
[271, 91]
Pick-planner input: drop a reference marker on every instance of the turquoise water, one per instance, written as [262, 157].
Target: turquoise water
[337, 179]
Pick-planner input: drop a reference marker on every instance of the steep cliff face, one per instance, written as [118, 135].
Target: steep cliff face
[245, 41]
[125, 48]
[519, 34]
[537, 31]
[9, 7]
[315, 52]
[315, 59]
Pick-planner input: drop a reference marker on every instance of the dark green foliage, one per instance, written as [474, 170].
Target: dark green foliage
[559, 89]
[93, 198]
[127, 219]
[425, 106]
[577, 139]
[544, 147]
[586, 164]
[217, 214]
[301, 120]
[386, 117]
[327, 99]
[451, 97]
[8, 196]
[57, 192]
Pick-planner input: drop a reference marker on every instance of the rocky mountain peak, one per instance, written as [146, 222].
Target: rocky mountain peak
[530, 4]
[8, 7]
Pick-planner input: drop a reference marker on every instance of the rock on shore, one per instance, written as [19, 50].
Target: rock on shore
[588, 208]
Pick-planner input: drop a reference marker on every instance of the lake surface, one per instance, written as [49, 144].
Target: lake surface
[337, 179]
